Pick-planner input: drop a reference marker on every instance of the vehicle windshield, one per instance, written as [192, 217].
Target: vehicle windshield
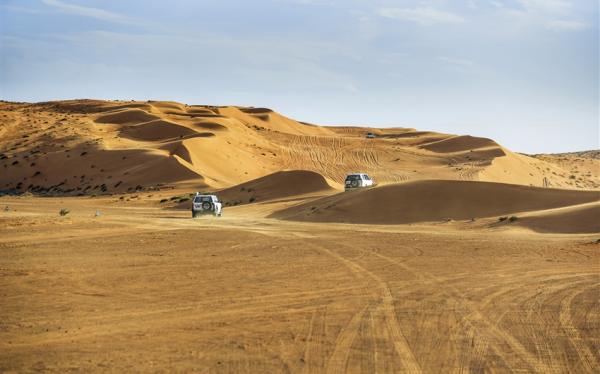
[353, 178]
[199, 199]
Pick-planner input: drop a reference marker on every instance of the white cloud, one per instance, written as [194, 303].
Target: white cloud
[457, 62]
[423, 16]
[555, 15]
[84, 11]
[546, 6]
[565, 25]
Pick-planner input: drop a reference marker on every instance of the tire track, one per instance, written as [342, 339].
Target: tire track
[399, 341]
[566, 319]
[314, 341]
[339, 359]
[500, 340]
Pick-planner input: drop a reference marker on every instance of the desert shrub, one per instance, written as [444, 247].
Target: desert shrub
[252, 199]
[513, 218]
[63, 212]
[502, 219]
[184, 199]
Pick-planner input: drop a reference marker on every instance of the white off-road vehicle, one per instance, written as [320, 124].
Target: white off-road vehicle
[357, 180]
[206, 204]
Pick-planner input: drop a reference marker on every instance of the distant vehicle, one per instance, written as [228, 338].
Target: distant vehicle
[206, 204]
[357, 180]
[370, 135]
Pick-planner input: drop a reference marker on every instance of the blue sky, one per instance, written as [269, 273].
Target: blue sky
[523, 72]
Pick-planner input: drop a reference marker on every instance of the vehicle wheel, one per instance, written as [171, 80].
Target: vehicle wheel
[354, 184]
[194, 214]
[206, 205]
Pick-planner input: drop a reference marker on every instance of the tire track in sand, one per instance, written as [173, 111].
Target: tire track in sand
[313, 358]
[566, 319]
[501, 341]
[339, 359]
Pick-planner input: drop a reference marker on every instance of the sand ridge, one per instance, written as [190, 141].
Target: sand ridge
[212, 147]
[438, 200]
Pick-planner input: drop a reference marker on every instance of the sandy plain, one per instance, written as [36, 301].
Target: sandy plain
[141, 288]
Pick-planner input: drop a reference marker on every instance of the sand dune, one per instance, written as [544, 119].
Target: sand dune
[459, 144]
[157, 130]
[220, 147]
[127, 117]
[578, 219]
[426, 201]
[278, 185]
[213, 126]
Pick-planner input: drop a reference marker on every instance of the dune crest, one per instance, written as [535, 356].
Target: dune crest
[278, 185]
[577, 219]
[126, 117]
[459, 144]
[431, 201]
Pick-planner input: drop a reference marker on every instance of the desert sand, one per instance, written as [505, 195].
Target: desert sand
[466, 256]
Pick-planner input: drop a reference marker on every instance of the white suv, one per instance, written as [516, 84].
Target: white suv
[357, 180]
[206, 204]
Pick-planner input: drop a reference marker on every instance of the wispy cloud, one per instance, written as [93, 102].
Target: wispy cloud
[456, 62]
[84, 11]
[546, 6]
[555, 15]
[565, 25]
[424, 15]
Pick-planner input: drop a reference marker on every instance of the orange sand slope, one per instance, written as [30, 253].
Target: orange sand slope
[436, 200]
[583, 218]
[278, 185]
[100, 147]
